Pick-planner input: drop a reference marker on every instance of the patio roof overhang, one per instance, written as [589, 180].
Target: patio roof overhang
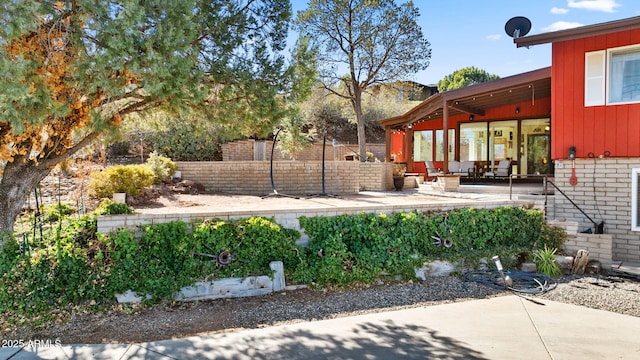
[476, 99]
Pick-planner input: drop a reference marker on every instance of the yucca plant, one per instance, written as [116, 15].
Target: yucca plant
[545, 260]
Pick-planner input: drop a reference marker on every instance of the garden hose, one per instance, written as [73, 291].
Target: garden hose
[523, 282]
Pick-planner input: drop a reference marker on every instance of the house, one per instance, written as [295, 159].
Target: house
[507, 118]
[577, 122]
[595, 112]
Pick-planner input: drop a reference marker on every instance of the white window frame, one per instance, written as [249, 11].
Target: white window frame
[597, 76]
[635, 212]
[595, 69]
[610, 53]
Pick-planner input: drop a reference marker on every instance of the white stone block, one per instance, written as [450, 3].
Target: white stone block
[435, 268]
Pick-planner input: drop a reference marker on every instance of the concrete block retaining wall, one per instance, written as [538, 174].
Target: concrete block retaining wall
[600, 246]
[604, 193]
[286, 218]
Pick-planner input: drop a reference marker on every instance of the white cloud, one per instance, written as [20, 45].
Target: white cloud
[559, 11]
[494, 37]
[594, 5]
[562, 25]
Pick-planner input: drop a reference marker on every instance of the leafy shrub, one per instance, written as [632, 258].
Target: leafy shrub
[168, 257]
[553, 237]
[545, 260]
[129, 179]
[185, 140]
[253, 243]
[155, 264]
[162, 167]
[108, 207]
[54, 212]
[344, 249]
[61, 270]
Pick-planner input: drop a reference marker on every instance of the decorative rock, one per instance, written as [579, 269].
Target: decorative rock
[594, 267]
[130, 297]
[187, 183]
[565, 263]
[435, 268]
[529, 267]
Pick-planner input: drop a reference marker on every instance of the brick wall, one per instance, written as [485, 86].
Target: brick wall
[293, 177]
[376, 176]
[243, 150]
[238, 150]
[604, 193]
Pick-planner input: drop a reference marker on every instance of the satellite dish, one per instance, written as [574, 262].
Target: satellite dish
[517, 26]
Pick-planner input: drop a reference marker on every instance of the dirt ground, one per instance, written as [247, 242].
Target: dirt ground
[138, 323]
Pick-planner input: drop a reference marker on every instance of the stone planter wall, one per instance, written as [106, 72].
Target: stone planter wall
[448, 182]
[600, 246]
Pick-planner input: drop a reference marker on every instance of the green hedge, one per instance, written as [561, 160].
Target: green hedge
[345, 249]
[70, 264]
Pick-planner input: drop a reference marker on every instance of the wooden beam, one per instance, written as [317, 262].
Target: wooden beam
[467, 109]
[445, 129]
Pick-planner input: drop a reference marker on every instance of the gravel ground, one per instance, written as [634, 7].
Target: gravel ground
[611, 293]
[174, 320]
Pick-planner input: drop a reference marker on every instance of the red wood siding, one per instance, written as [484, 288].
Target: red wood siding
[397, 145]
[594, 129]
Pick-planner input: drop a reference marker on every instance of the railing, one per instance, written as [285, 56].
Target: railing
[598, 227]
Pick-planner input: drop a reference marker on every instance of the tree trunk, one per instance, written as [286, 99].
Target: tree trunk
[357, 108]
[19, 178]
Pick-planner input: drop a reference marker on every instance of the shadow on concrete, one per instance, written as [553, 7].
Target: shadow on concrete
[380, 340]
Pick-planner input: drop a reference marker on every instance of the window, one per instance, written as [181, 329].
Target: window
[635, 200]
[423, 145]
[612, 75]
[440, 145]
[473, 141]
[624, 76]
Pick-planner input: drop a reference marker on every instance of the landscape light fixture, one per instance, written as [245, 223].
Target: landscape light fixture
[506, 280]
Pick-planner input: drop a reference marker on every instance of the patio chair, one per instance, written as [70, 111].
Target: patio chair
[432, 172]
[503, 170]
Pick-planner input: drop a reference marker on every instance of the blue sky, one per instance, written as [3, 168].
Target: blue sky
[471, 32]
